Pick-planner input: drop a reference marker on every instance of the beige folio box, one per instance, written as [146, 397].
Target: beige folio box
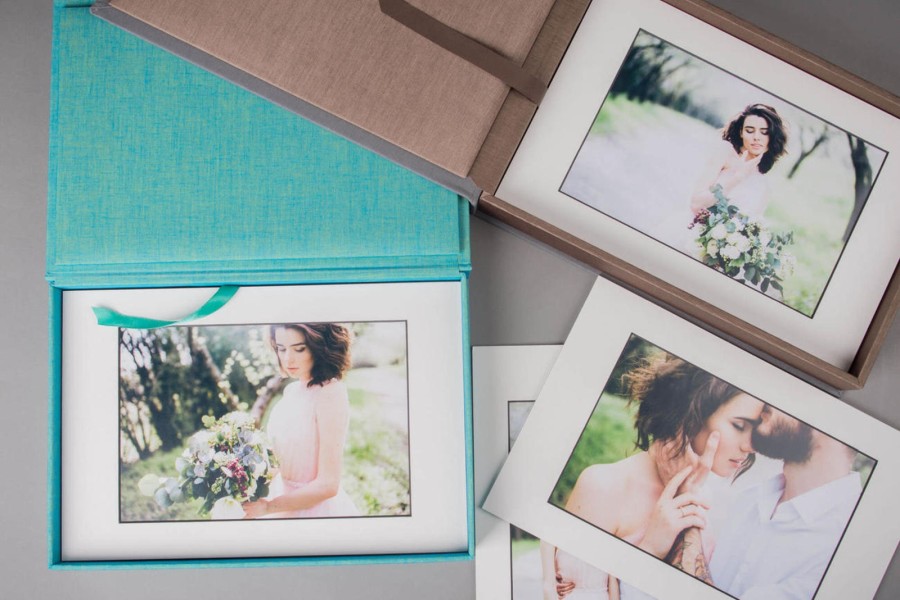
[449, 89]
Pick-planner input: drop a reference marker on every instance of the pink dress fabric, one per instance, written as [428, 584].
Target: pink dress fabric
[294, 433]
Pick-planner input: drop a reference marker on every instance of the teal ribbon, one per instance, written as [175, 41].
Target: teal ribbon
[111, 318]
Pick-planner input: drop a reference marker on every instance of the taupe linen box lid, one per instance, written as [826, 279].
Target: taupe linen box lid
[384, 84]
[359, 65]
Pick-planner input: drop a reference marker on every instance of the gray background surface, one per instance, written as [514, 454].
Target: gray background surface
[520, 294]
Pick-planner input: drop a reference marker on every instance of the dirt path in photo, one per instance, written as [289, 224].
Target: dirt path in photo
[527, 583]
[643, 174]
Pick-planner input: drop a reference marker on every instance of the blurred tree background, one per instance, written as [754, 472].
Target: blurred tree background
[609, 434]
[170, 378]
[659, 125]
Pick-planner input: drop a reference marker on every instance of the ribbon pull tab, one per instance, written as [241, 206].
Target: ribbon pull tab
[110, 318]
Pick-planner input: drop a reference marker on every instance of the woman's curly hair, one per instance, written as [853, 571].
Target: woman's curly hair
[777, 134]
[329, 344]
[674, 399]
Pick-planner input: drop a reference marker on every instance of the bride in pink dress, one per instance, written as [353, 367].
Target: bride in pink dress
[308, 426]
[683, 412]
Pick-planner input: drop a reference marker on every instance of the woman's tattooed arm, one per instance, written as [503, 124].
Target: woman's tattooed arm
[687, 554]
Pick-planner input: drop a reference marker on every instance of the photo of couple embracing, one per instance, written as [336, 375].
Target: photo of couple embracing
[707, 478]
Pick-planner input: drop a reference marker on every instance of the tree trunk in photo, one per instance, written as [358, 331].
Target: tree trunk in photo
[862, 184]
[141, 350]
[806, 152]
[134, 431]
[200, 349]
[264, 398]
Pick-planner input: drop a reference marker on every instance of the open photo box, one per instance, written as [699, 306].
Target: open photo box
[602, 130]
[509, 562]
[797, 492]
[249, 317]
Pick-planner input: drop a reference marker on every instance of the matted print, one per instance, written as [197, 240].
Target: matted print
[662, 454]
[293, 421]
[274, 421]
[696, 472]
[725, 172]
[720, 170]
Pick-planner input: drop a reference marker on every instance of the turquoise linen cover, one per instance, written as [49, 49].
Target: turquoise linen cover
[163, 174]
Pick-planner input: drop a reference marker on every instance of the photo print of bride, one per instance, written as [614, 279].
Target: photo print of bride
[707, 478]
[724, 172]
[275, 421]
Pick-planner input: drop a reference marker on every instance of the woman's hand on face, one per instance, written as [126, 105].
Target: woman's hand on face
[254, 510]
[674, 512]
[670, 462]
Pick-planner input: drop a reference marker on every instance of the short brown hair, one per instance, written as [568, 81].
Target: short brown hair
[329, 344]
[674, 398]
[777, 134]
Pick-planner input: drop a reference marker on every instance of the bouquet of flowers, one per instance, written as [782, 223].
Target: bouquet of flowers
[226, 464]
[740, 247]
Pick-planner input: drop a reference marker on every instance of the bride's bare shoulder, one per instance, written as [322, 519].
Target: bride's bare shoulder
[600, 494]
[608, 480]
[331, 392]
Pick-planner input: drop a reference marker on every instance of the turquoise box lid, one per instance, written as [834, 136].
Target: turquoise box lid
[161, 173]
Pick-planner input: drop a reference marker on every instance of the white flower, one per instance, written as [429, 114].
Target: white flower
[712, 248]
[226, 508]
[221, 458]
[239, 418]
[200, 440]
[764, 238]
[149, 484]
[259, 469]
[740, 241]
[718, 232]
[730, 252]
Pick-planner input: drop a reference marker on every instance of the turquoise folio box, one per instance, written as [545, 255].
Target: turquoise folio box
[166, 180]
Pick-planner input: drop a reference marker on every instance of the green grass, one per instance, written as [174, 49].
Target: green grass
[621, 116]
[376, 457]
[376, 467]
[815, 204]
[608, 438]
[135, 507]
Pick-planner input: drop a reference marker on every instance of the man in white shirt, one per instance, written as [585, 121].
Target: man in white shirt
[781, 534]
